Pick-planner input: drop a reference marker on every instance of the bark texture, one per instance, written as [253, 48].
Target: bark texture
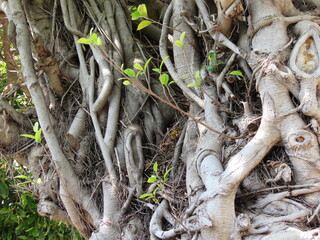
[239, 126]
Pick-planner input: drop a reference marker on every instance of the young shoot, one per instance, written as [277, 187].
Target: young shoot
[141, 12]
[37, 133]
[180, 42]
[214, 62]
[160, 182]
[135, 72]
[236, 73]
[93, 39]
[164, 78]
[198, 79]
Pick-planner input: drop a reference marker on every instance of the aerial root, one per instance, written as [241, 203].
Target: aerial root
[134, 156]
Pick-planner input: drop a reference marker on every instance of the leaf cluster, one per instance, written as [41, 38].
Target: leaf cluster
[93, 39]
[19, 218]
[213, 67]
[131, 73]
[180, 42]
[160, 181]
[214, 62]
[37, 133]
[138, 70]
[164, 78]
[141, 12]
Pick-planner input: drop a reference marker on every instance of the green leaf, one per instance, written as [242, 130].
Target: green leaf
[162, 62]
[152, 179]
[155, 167]
[41, 236]
[36, 127]
[142, 9]
[24, 199]
[146, 64]
[126, 82]
[178, 43]
[164, 79]
[210, 68]
[155, 191]
[145, 195]
[34, 233]
[237, 73]
[22, 177]
[129, 72]
[212, 56]
[38, 136]
[9, 236]
[132, 8]
[197, 75]
[184, 76]
[135, 15]
[156, 70]
[143, 24]
[99, 42]
[182, 37]
[166, 174]
[28, 136]
[171, 82]
[165, 58]
[19, 229]
[155, 200]
[4, 190]
[93, 38]
[83, 41]
[192, 85]
[137, 66]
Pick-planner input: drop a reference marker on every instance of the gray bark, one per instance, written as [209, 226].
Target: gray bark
[244, 149]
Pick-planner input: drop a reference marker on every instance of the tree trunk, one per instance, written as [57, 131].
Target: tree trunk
[220, 141]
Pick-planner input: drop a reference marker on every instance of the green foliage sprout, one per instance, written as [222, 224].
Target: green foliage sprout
[198, 78]
[141, 12]
[163, 77]
[214, 62]
[180, 42]
[160, 182]
[138, 69]
[37, 133]
[236, 73]
[93, 39]
[131, 73]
